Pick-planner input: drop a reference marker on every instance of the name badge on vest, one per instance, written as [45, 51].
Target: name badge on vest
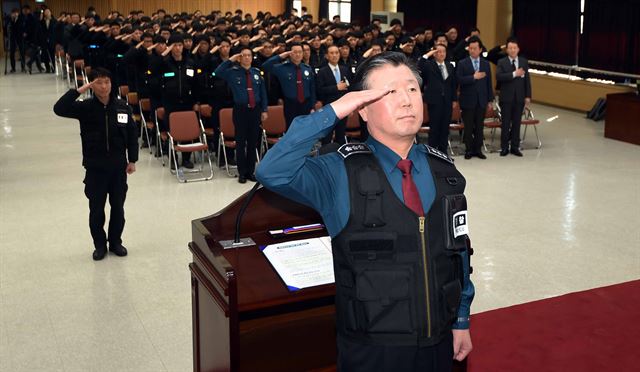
[460, 225]
[190, 72]
[353, 148]
[438, 154]
[123, 118]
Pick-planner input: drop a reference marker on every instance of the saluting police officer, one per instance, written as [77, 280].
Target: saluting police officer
[109, 152]
[397, 216]
[250, 108]
[297, 81]
[177, 73]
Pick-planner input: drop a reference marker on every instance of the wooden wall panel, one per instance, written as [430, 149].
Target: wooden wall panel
[171, 6]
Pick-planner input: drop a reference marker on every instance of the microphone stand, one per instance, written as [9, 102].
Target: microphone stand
[238, 242]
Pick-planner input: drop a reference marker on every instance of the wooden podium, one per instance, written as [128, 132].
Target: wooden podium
[244, 317]
[622, 118]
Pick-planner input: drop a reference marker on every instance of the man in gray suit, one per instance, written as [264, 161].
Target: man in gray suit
[515, 92]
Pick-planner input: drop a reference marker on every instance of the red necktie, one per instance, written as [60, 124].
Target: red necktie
[409, 189]
[252, 97]
[299, 84]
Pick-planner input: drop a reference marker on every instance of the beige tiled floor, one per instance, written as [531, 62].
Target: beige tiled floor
[561, 219]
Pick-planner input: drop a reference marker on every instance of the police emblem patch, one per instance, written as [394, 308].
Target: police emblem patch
[306, 73]
[255, 76]
[353, 148]
[460, 225]
[438, 154]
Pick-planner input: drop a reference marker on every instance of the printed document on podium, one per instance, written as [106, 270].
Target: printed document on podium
[302, 263]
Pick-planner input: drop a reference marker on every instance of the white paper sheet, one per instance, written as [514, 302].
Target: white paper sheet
[302, 263]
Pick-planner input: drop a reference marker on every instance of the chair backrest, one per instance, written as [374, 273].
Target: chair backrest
[226, 123]
[124, 90]
[184, 125]
[353, 121]
[79, 64]
[145, 105]
[275, 124]
[206, 111]
[132, 98]
[456, 114]
[490, 113]
[425, 114]
[160, 113]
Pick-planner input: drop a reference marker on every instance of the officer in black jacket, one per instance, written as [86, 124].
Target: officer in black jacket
[109, 152]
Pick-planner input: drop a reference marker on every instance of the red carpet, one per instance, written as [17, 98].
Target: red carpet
[594, 330]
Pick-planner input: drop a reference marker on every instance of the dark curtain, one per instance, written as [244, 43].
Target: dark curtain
[323, 12]
[611, 36]
[288, 7]
[441, 15]
[547, 30]
[361, 12]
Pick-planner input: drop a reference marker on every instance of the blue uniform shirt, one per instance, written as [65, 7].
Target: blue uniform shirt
[236, 78]
[321, 182]
[286, 73]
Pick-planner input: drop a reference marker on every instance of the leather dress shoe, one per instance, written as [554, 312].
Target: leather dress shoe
[516, 152]
[242, 179]
[504, 152]
[98, 254]
[252, 178]
[468, 155]
[119, 250]
[481, 156]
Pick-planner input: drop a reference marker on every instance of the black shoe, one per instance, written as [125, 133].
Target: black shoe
[504, 152]
[516, 152]
[481, 156]
[12, 70]
[242, 180]
[99, 254]
[468, 155]
[119, 250]
[187, 164]
[252, 178]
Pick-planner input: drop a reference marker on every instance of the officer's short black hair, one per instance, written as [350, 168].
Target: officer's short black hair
[159, 40]
[438, 35]
[175, 38]
[290, 47]
[511, 39]
[243, 47]
[147, 35]
[341, 43]
[99, 72]
[386, 58]
[475, 39]
[395, 21]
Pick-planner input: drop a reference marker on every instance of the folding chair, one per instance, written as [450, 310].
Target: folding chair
[227, 138]
[146, 124]
[456, 124]
[529, 120]
[184, 126]
[206, 113]
[123, 90]
[60, 62]
[273, 128]
[352, 128]
[79, 77]
[69, 70]
[492, 121]
[160, 136]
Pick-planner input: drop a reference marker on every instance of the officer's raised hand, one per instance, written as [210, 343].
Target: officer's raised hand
[85, 87]
[235, 57]
[284, 54]
[354, 101]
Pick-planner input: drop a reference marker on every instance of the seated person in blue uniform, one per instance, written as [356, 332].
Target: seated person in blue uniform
[396, 213]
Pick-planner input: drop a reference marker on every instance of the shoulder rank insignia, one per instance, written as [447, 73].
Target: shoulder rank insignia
[438, 154]
[353, 148]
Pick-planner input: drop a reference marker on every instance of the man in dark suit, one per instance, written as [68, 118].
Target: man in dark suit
[332, 83]
[474, 76]
[513, 74]
[439, 79]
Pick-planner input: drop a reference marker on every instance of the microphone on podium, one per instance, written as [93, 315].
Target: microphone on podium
[238, 242]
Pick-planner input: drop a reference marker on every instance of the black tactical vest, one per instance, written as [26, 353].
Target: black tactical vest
[399, 276]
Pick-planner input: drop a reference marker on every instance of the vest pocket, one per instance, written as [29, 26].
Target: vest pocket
[383, 296]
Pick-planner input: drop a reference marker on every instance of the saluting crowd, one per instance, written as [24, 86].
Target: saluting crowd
[177, 60]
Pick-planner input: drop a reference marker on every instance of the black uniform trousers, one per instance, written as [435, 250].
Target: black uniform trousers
[439, 120]
[473, 120]
[340, 131]
[510, 129]
[292, 109]
[246, 122]
[14, 44]
[356, 357]
[100, 182]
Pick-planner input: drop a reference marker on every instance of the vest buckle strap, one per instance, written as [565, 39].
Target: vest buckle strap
[353, 148]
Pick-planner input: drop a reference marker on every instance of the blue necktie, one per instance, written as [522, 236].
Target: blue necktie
[476, 65]
[336, 73]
